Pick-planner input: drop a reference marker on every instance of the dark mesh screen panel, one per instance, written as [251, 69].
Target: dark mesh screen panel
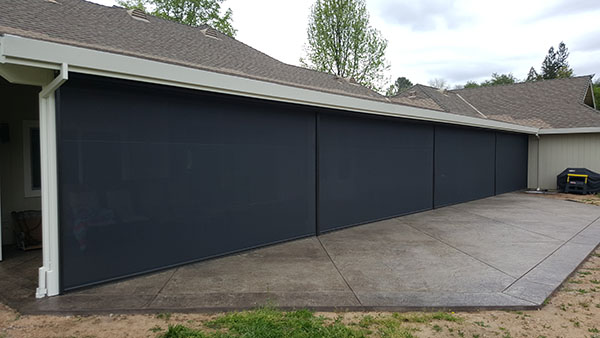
[152, 177]
[511, 162]
[464, 164]
[372, 168]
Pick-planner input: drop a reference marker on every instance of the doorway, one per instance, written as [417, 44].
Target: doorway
[20, 185]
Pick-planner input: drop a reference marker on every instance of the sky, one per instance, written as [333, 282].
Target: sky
[456, 40]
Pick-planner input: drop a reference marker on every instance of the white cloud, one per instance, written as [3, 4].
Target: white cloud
[424, 15]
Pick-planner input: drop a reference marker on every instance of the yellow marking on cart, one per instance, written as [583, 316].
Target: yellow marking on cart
[577, 175]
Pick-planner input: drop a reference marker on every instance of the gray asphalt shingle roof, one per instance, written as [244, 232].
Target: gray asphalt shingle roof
[542, 104]
[443, 100]
[555, 103]
[112, 29]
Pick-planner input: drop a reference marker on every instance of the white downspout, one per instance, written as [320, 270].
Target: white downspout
[537, 167]
[48, 273]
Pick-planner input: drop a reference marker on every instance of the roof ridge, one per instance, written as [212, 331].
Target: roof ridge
[522, 83]
[588, 107]
[429, 87]
[404, 91]
[443, 106]
[434, 100]
[471, 105]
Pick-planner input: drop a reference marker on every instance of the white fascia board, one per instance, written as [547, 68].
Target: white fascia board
[555, 131]
[24, 51]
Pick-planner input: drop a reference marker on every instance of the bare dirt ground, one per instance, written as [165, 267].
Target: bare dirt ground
[573, 311]
[587, 199]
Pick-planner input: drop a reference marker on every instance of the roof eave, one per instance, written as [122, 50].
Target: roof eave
[26, 51]
[557, 131]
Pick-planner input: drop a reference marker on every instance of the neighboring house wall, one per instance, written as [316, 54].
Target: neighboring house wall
[19, 103]
[558, 152]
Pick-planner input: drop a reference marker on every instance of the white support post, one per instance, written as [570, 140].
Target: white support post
[48, 273]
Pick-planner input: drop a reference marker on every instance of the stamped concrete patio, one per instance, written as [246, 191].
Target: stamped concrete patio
[508, 251]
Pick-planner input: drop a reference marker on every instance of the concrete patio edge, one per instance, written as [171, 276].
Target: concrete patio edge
[545, 278]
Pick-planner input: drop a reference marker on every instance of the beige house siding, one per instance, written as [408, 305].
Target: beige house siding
[558, 152]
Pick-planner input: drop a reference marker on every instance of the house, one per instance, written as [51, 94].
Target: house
[162, 144]
[562, 109]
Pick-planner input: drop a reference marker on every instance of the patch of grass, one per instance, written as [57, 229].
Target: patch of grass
[582, 291]
[397, 332]
[574, 281]
[392, 328]
[269, 322]
[584, 273]
[482, 324]
[446, 317]
[165, 316]
[437, 328]
[595, 281]
[366, 321]
[426, 317]
[180, 331]
[594, 330]
[584, 305]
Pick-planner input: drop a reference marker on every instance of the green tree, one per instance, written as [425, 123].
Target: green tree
[342, 42]
[555, 64]
[549, 65]
[400, 85]
[565, 72]
[497, 79]
[500, 79]
[471, 84]
[532, 75]
[189, 12]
